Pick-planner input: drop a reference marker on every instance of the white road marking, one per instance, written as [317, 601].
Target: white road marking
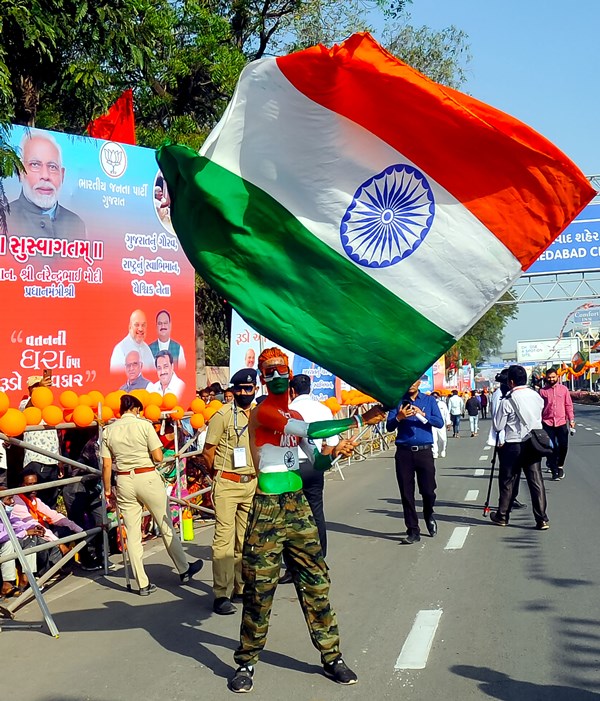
[487, 447]
[587, 428]
[458, 537]
[580, 424]
[479, 472]
[417, 645]
[483, 457]
[598, 433]
[472, 495]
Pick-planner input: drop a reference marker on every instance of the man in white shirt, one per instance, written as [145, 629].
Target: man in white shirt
[168, 382]
[440, 435]
[164, 340]
[313, 481]
[518, 414]
[456, 407]
[134, 341]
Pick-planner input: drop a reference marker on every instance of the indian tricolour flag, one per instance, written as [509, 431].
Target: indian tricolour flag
[362, 215]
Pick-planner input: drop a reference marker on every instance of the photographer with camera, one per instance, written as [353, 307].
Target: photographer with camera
[518, 413]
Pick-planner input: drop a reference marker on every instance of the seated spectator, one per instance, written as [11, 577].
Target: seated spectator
[47, 469]
[55, 525]
[83, 500]
[24, 529]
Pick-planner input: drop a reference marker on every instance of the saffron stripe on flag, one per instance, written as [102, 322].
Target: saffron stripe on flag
[511, 178]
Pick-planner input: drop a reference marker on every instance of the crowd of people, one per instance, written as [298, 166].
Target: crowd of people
[266, 463]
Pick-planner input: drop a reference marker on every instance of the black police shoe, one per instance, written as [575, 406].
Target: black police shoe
[241, 682]
[223, 606]
[193, 569]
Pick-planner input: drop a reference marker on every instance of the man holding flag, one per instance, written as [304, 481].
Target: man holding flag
[348, 236]
[281, 525]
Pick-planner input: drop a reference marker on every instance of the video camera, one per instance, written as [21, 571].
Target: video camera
[502, 378]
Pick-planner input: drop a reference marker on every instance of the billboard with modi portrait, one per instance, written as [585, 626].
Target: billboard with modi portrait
[96, 287]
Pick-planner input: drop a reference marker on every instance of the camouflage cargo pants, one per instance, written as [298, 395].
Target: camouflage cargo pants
[282, 526]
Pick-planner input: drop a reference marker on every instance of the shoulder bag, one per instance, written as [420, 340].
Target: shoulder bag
[540, 440]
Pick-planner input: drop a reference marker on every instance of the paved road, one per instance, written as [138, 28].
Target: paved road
[512, 613]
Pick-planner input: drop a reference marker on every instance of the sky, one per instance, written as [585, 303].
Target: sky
[536, 60]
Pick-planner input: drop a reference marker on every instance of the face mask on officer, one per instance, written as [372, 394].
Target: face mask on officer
[244, 396]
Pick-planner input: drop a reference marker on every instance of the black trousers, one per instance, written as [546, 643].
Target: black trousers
[419, 464]
[313, 484]
[515, 457]
[84, 506]
[560, 439]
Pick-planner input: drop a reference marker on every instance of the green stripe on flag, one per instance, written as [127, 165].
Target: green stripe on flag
[292, 287]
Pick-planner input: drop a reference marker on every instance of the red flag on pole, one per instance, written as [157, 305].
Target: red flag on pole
[118, 124]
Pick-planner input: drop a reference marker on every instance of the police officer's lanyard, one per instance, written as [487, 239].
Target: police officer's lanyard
[238, 433]
[239, 454]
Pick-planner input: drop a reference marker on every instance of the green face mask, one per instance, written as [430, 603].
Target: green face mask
[278, 385]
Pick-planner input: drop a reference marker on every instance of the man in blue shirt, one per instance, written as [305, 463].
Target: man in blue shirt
[413, 421]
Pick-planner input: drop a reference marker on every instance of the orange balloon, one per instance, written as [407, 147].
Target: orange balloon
[209, 412]
[83, 415]
[197, 420]
[142, 394]
[53, 415]
[107, 413]
[4, 403]
[177, 412]
[32, 415]
[13, 423]
[216, 404]
[113, 400]
[169, 401]
[197, 405]
[155, 398]
[96, 397]
[85, 400]
[152, 412]
[42, 397]
[69, 399]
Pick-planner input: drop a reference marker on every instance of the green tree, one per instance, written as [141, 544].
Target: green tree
[440, 55]
[485, 337]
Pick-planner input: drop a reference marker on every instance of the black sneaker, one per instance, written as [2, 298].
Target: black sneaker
[412, 537]
[241, 682]
[560, 474]
[340, 672]
[542, 525]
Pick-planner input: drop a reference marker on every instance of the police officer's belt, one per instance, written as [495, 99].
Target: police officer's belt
[414, 448]
[236, 477]
[136, 471]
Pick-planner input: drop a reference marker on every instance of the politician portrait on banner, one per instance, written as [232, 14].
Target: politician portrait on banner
[94, 276]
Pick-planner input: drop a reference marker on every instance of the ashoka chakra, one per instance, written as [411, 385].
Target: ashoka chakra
[389, 217]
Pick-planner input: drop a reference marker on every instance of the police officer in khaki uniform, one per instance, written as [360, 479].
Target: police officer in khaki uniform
[227, 453]
[132, 443]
